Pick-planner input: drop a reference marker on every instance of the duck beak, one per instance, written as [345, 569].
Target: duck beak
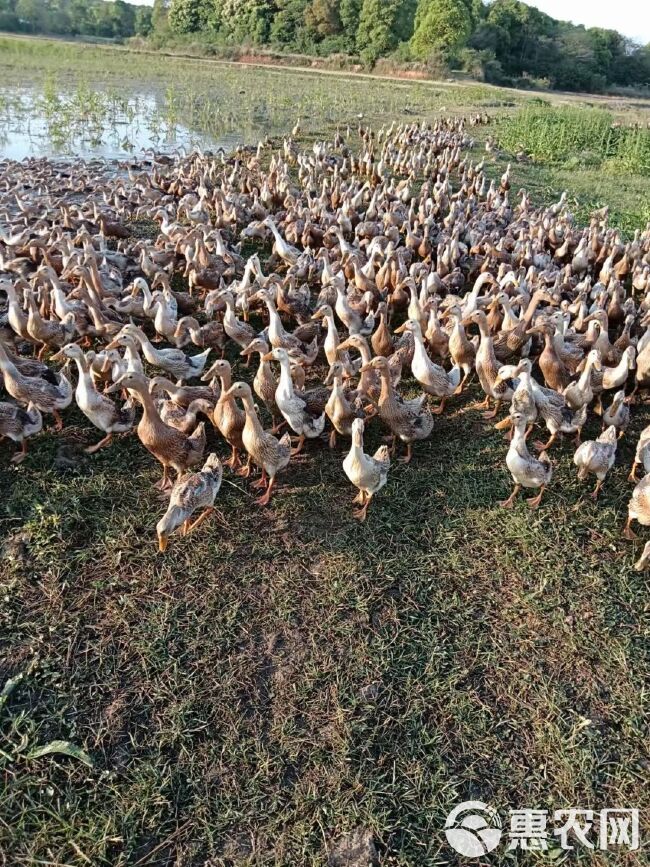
[365, 368]
[504, 424]
[268, 357]
[112, 389]
[402, 328]
[163, 541]
[113, 344]
[58, 356]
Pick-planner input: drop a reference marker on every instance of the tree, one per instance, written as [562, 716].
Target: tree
[288, 22]
[349, 12]
[188, 16]
[323, 18]
[440, 26]
[143, 23]
[383, 24]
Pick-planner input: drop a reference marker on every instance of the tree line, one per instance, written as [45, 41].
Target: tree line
[505, 42]
[97, 18]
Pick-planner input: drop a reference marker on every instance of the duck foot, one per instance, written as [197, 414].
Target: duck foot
[533, 502]
[261, 483]
[20, 456]
[440, 409]
[100, 445]
[628, 532]
[409, 454]
[509, 503]
[299, 447]
[264, 500]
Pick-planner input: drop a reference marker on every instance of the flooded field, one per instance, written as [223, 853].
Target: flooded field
[86, 101]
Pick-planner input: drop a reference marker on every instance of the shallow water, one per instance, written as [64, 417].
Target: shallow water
[32, 125]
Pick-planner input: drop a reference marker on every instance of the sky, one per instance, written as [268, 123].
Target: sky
[627, 16]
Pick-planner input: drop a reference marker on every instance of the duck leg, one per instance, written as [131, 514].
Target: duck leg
[332, 439]
[492, 413]
[439, 409]
[59, 420]
[233, 461]
[202, 517]
[165, 481]
[108, 439]
[628, 532]
[245, 472]
[596, 490]
[261, 482]
[542, 447]
[409, 454]
[534, 502]
[299, 447]
[277, 426]
[362, 513]
[507, 504]
[485, 404]
[633, 476]
[19, 457]
[360, 498]
[264, 501]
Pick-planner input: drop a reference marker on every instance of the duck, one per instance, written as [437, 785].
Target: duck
[173, 361]
[240, 332]
[35, 390]
[208, 336]
[19, 424]
[184, 419]
[555, 372]
[48, 332]
[381, 340]
[434, 379]
[616, 377]
[597, 457]
[367, 474]
[264, 381]
[227, 417]
[190, 492]
[169, 446]
[306, 423]
[641, 454]
[617, 414]
[264, 450]
[526, 470]
[557, 416]
[184, 395]
[638, 508]
[523, 398]
[408, 420]
[581, 393]
[98, 409]
[461, 350]
[338, 408]
[487, 368]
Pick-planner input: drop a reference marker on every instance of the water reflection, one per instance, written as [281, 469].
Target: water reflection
[96, 124]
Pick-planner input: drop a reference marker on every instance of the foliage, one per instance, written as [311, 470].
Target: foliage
[440, 26]
[584, 136]
[506, 42]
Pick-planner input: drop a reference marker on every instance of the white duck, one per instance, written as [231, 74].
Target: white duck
[296, 412]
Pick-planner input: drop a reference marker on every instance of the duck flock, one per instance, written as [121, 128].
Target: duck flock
[338, 271]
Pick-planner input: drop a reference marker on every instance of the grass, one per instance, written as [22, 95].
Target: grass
[283, 677]
[286, 676]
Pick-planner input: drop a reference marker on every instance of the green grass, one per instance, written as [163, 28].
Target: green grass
[284, 676]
